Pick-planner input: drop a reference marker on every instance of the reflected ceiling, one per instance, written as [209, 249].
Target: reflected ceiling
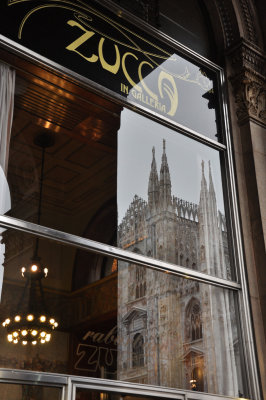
[80, 169]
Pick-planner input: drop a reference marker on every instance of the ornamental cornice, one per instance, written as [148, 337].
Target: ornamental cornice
[245, 55]
[248, 81]
[226, 20]
[248, 21]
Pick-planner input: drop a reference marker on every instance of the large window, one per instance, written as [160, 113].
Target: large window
[118, 237]
[117, 319]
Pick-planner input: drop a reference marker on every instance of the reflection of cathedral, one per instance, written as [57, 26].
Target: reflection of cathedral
[172, 331]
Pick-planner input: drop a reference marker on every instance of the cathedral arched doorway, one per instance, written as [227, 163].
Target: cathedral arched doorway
[194, 361]
[197, 382]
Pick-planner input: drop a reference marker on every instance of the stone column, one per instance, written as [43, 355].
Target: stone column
[247, 94]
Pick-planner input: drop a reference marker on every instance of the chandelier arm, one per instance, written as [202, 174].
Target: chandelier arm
[40, 202]
[22, 296]
[33, 297]
[42, 297]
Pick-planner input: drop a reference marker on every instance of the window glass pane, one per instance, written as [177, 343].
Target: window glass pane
[176, 332]
[78, 191]
[55, 308]
[62, 173]
[170, 197]
[11, 391]
[122, 321]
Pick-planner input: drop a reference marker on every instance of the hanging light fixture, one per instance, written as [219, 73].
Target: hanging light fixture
[33, 323]
[193, 384]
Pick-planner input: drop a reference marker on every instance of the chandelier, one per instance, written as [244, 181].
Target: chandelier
[32, 323]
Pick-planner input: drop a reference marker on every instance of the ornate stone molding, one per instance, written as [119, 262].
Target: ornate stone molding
[248, 21]
[227, 24]
[230, 18]
[250, 97]
[248, 81]
[246, 55]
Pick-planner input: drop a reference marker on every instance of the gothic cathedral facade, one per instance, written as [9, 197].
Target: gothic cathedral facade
[168, 333]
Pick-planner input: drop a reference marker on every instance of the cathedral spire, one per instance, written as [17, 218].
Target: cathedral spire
[203, 217]
[153, 188]
[165, 182]
[204, 195]
[211, 186]
[204, 189]
[212, 196]
[204, 198]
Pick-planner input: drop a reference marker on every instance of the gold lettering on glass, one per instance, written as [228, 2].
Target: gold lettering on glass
[112, 68]
[82, 39]
[171, 91]
[166, 82]
[153, 95]
[127, 76]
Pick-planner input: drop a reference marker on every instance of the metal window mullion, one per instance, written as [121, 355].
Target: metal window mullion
[69, 384]
[135, 389]
[31, 377]
[181, 129]
[111, 251]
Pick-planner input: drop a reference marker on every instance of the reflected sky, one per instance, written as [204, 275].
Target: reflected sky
[136, 138]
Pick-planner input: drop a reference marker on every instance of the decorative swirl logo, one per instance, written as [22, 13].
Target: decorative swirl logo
[166, 83]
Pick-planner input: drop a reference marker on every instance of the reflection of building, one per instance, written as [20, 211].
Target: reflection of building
[174, 332]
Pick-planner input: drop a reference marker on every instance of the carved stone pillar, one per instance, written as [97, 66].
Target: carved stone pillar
[249, 82]
[247, 95]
